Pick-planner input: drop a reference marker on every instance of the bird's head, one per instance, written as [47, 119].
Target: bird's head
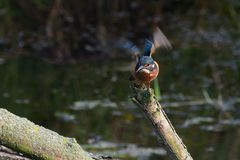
[145, 64]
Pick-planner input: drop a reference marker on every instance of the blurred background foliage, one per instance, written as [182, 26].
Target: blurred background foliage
[64, 30]
[61, 66]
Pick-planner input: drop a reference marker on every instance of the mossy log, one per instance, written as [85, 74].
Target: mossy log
[145, 99]
[28, 138]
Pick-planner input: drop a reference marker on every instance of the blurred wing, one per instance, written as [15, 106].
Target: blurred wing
[135, 50]
[147, 47]
[160, 40]
[129, 46]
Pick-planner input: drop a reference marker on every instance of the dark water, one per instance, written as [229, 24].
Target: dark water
[89, 100]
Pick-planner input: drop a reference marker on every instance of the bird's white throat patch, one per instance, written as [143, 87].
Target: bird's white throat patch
[145, 70]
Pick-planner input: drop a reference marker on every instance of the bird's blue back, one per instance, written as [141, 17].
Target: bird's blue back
[147, 48]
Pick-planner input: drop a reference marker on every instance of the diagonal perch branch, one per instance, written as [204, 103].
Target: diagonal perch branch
[146, 101]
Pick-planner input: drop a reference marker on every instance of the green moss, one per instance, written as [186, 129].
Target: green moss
[30, 139]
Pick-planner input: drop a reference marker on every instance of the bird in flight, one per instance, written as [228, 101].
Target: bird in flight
[146, 69]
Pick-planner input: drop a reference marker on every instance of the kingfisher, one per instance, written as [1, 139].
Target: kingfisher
[146, 69]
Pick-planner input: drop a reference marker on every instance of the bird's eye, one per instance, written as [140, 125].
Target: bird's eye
[147, 65]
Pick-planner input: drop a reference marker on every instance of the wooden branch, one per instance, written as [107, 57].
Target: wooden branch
[9, 154]
[145, 99]
[22, 135]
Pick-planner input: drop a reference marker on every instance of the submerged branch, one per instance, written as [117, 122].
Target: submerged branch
[9, 154]
[146, 101]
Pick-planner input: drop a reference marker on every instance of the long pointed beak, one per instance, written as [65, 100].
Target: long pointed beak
[140, 68]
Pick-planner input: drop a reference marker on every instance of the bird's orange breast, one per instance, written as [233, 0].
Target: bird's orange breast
[145, 76]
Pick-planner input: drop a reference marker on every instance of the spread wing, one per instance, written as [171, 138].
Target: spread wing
[148, 47]
[159, 40]
[129, 46]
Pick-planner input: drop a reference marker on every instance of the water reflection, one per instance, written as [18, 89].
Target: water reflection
[126, 150]
[97, 110]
